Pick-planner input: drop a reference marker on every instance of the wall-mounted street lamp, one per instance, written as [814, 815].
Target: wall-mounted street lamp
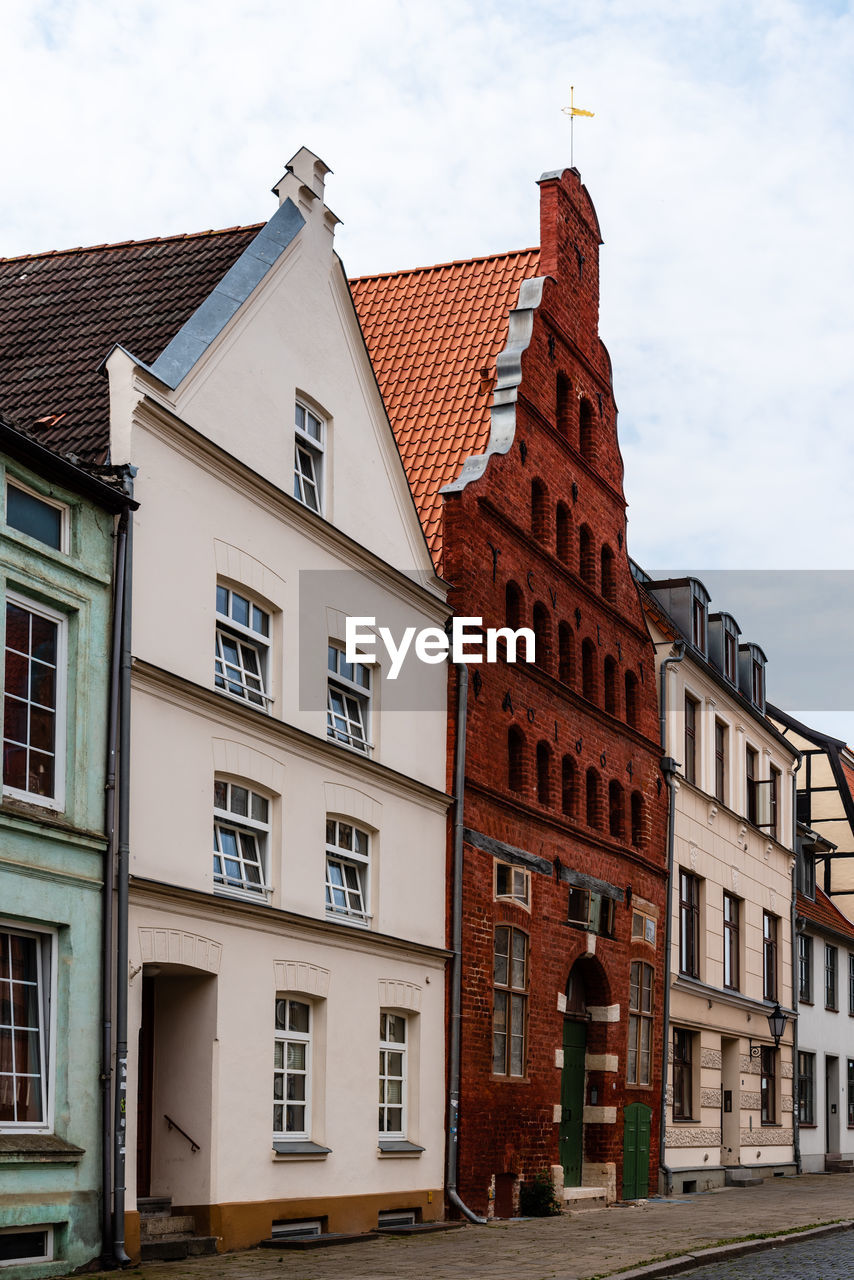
[777, 1020]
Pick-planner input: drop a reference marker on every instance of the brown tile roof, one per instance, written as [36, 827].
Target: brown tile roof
[825, 914]
[61, 313]
[433, 335]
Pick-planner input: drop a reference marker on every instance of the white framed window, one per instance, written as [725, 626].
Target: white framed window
[25, 1028]
[348, 703]
[241, 840]
[392, 1111]
[309, 443]
[19, 1245]
[292, 1069]
[241, 665]
[39, 517]
[347, 871]
[34, 698]
[513, 883]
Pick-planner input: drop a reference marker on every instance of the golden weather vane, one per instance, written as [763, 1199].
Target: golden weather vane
[572, 111]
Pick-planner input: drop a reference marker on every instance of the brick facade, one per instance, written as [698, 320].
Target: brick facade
[538, 540]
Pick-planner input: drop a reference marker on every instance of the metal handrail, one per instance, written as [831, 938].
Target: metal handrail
[194, 1146]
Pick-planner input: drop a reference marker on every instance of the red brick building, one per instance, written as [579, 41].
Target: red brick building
[499, 391]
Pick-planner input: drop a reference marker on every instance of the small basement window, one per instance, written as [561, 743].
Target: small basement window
[302, 1230]
[396, 1218]
[34, 1244]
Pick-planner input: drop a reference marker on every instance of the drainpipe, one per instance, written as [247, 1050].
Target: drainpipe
[796, 1115]
[456, 958]
[668, 768]
[120, 1094]
[109, 878]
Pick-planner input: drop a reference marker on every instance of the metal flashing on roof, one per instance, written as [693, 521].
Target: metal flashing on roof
[508, 377]
[225, 300]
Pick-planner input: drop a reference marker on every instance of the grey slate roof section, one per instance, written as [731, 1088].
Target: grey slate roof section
[208, 321]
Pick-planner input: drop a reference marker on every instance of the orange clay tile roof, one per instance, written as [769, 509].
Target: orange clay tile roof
[433, 335]
[825, 913]
[62, 312]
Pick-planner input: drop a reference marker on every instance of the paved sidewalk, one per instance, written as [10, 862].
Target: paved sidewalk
[578, 1247]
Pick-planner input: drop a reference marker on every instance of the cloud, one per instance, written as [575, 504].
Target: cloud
[720, 161]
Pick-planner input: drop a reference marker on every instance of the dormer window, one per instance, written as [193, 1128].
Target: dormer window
[757, 683]
[730, 657]
[308, 457]
[698, 624]
[751, 674]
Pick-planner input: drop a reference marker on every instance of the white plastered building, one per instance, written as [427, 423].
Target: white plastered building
[287, 810]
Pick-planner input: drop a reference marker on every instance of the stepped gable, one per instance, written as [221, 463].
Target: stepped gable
[61, 313]
[433, 335]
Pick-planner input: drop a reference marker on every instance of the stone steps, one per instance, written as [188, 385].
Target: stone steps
[176, 1247]
[738, 1177]
[583, 1199]
[165, 1236]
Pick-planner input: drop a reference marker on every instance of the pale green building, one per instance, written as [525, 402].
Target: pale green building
[57, 524]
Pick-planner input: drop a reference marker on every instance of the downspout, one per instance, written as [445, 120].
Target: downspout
[109, 879]
[796, 1114]
[668, 768]
[452, 1157]
[120, 1093]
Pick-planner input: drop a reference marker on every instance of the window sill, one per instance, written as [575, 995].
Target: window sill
[364, 750]
[243, 895]
[37, 1148]
[352, 922]
[264, 708]
[398, 1147]
[300, 1150]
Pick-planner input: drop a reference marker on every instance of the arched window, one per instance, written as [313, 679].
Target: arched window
[569, 787]
[565, 653]
[588, 671]
[616, 810]
[637, 819]
[515, 759]
[563, 406]
[593, 798]
[632, 699]
[563, 533]
[586, 556]
[608, 578]
[513, 606]
[544, 773]
[610, 682]
[542, 636]
[539, 510]
[586, 432]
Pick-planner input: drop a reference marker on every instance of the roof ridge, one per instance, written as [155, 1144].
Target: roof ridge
[453, 262]
[126, 244]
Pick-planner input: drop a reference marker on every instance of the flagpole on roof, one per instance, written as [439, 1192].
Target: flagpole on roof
[572, 111]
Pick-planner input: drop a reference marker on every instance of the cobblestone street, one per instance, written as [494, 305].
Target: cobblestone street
[829, 1259]
[589, 1244]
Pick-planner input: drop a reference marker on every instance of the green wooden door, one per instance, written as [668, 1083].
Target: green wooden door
[637, 1119]
[571, 1137]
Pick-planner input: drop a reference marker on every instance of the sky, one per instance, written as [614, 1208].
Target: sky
[720, 160]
